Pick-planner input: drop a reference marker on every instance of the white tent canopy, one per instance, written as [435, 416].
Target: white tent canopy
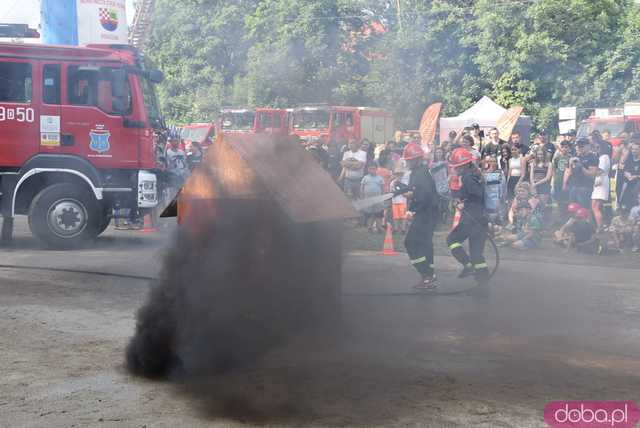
[486, 109]
[485, 113]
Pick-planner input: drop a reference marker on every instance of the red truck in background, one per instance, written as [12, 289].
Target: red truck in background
[601, 120]
[78, 137]
[616, 121]
[201, 133]
[336, 124]
[260, 120]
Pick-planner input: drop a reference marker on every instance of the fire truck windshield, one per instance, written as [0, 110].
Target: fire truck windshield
[238, 120]
[198, 134]
[311, 119]
[586, 128]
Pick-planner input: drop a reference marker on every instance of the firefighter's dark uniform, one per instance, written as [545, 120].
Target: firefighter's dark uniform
[473, 225]
[419, 240]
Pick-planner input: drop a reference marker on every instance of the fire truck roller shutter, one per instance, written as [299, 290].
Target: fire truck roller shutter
[366, 124]
[379, 129]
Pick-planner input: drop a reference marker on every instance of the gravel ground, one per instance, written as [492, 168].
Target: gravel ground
[547, 331]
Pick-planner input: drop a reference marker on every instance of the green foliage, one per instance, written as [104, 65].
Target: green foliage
[541, 54]
[201, 47]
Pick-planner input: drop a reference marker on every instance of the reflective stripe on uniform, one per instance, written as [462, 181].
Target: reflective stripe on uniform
[418, 260]
[481, 266]
[455, 245]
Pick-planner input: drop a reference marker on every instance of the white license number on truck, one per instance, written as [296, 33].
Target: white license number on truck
[19, 114]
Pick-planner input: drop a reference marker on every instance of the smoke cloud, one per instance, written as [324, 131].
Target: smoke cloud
[233, 289]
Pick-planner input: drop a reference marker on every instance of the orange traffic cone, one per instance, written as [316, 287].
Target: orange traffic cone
[387, 247]
[148, 224]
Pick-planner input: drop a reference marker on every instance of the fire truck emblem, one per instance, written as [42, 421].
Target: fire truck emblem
[99, 141]
[109, 19]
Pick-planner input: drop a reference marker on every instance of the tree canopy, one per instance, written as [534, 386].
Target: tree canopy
[400, 55]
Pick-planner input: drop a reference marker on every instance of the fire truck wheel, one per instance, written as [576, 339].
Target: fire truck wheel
[104, 221]
[64, 216]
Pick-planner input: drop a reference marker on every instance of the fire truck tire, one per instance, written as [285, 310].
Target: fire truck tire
[104, 221]
[64, 216]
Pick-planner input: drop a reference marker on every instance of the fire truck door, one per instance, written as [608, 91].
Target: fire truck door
[378, 129]
[264, 122]
[94, 124]
[49, 132]
[18, 111]
[367, 127]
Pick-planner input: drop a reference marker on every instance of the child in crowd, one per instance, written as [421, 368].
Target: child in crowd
[530, 234]
[580, 233]
[494, 190]
[399, 203]
[621, 231]
[372, 185]
[522, 195]
[385, 165]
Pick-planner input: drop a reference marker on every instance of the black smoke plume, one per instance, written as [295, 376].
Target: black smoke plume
[238, 285]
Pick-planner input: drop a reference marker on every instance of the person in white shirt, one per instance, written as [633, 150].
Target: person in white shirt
[601, 188]
[353, 164]
[176, 159]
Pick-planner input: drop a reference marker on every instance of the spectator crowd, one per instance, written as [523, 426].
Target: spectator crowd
[583, 193]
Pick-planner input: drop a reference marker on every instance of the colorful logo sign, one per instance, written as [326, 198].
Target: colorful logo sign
[99, 140]
[109, 19]
[592, 414]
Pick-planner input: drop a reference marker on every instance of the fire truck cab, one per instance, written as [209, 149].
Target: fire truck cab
[617, 121]
[610, 120]
[202, 133]
[337, 124]
[78, 128]
[261, 120]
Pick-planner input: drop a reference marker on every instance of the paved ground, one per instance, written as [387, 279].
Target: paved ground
[550, 329]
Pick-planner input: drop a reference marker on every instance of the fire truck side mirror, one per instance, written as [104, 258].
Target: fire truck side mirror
[155, 76]
[119, 105]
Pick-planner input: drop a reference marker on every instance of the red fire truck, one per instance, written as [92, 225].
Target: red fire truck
[336, 124]
[261, 120]
[201, 133]
[615, 120]
[610, 120]
[78, 129]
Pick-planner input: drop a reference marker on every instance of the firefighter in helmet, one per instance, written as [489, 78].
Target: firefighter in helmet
[422, 197]
[468, 189]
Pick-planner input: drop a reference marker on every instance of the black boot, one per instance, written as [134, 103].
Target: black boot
[468, 270]
[429, 282]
